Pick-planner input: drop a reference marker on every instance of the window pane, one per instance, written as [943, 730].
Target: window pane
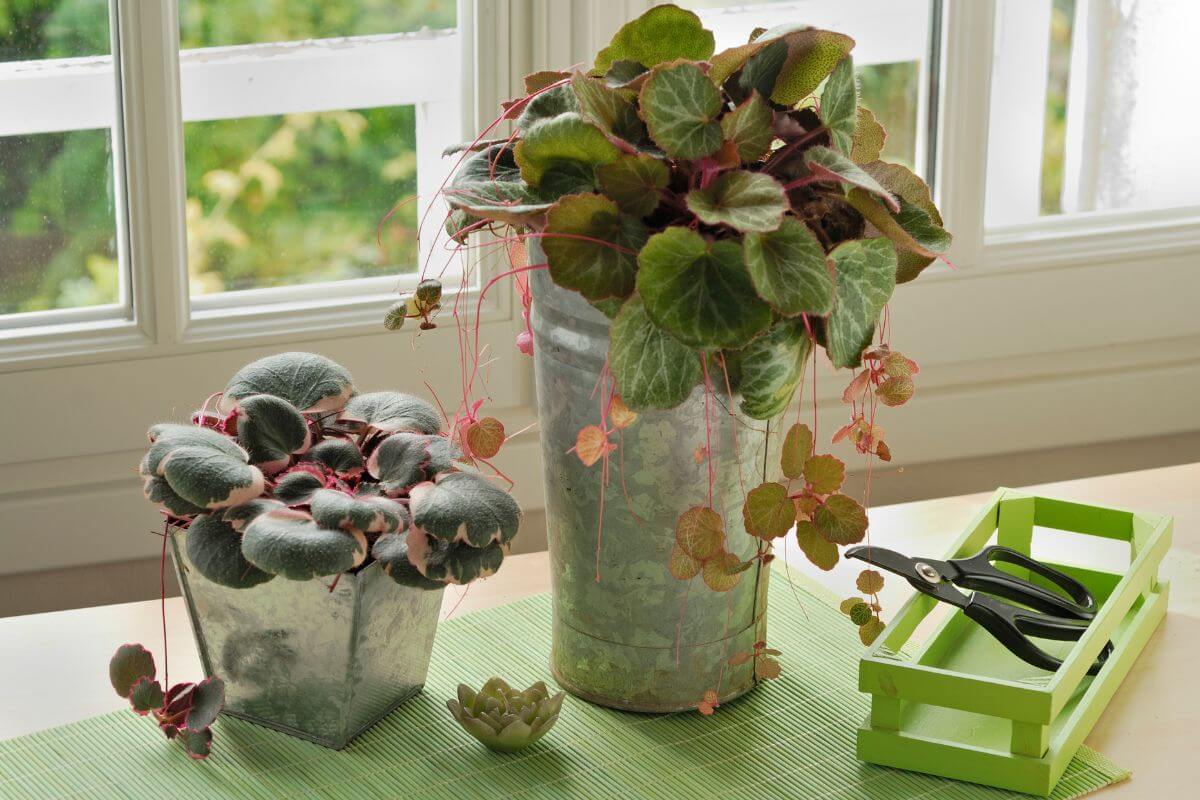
[217, 23]
[296, 155]
[292, 199]
[1091, 109]
[37, 29]
[890, 54]
[58, 235]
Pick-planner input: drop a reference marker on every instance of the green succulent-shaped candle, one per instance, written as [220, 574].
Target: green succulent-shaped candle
[504, 719]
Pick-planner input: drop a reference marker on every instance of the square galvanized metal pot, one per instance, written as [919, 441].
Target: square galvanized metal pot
[321, 665]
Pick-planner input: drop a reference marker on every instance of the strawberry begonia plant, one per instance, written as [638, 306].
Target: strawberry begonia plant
[294, 474]
[730, 213]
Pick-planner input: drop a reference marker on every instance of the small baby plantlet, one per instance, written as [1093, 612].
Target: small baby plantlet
[185, 712]
[504, 719]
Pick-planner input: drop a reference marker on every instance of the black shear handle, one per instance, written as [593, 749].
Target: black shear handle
[979, 574]
[1013, 627]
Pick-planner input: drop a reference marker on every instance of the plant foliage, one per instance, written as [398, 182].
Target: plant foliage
[712, 199]
[297, 475]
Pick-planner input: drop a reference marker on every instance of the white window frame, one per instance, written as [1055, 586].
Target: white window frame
[156, 89]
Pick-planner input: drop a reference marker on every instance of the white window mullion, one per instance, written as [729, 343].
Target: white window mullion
[966, 74]
[153, 131]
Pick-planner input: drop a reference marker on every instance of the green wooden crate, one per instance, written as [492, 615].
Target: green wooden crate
[958, 704]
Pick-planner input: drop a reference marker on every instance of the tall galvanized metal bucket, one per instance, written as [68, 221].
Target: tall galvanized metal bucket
[626, 633]
[322, 665]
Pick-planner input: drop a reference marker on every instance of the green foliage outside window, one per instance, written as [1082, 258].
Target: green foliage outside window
[272, 201]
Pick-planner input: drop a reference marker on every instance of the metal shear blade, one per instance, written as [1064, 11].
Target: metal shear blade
[1061, 615]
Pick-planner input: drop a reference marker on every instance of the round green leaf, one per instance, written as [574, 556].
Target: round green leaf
[635, 182]
[210, 478]
[404, 459]
[331, 508]
[464, 507]
[849, 603]
[290, 544]
[839, 105]
[391, 551]
[446, 561]
[340, 455]
[840, 520]
[861, 613]
[700, 533]
[566, 138]
[699, 291]
[239, 517]
[817, 549]
[608, 109]
[745, 201]
[488, 185]
[167, 436]
[652, 368]
[866, 277]
[869, 631]
[681, 107]
[768, 512]
[146, 695]
[215, 549]
[198, 744]
[869, 137]
[157, 490]
[812, 55]
[869, 581]
[772, 366]
[592, 247]
[789, 62]
[749, 128]
[664, 33]
[271, 430]
[824, 473]
[789, 269]
[310, 382]
[828, 164]
[390, 412]
[208, 698]
[296, 487]
[626, 74]
[547, 105]
[130, 663]
[721, 572]
[797, 447]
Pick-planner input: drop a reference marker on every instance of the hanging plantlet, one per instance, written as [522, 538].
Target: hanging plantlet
[185, 712]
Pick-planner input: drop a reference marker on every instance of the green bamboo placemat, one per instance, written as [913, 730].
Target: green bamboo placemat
[792, 737]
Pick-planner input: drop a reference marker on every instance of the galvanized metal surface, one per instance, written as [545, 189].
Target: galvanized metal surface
[317, 664]
[626, 633]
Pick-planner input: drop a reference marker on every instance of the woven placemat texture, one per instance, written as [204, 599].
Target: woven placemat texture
[791, 738]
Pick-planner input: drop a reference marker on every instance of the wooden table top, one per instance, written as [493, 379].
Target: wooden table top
[54, 665]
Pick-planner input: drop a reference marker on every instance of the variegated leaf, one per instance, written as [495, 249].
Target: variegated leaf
[271, 430]
[391, 412]
[290, 544]
[463, 507]
[310, 382]
[391, 551]
[215, 549]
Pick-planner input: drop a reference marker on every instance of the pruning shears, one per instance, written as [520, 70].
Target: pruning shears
[1061, 615]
